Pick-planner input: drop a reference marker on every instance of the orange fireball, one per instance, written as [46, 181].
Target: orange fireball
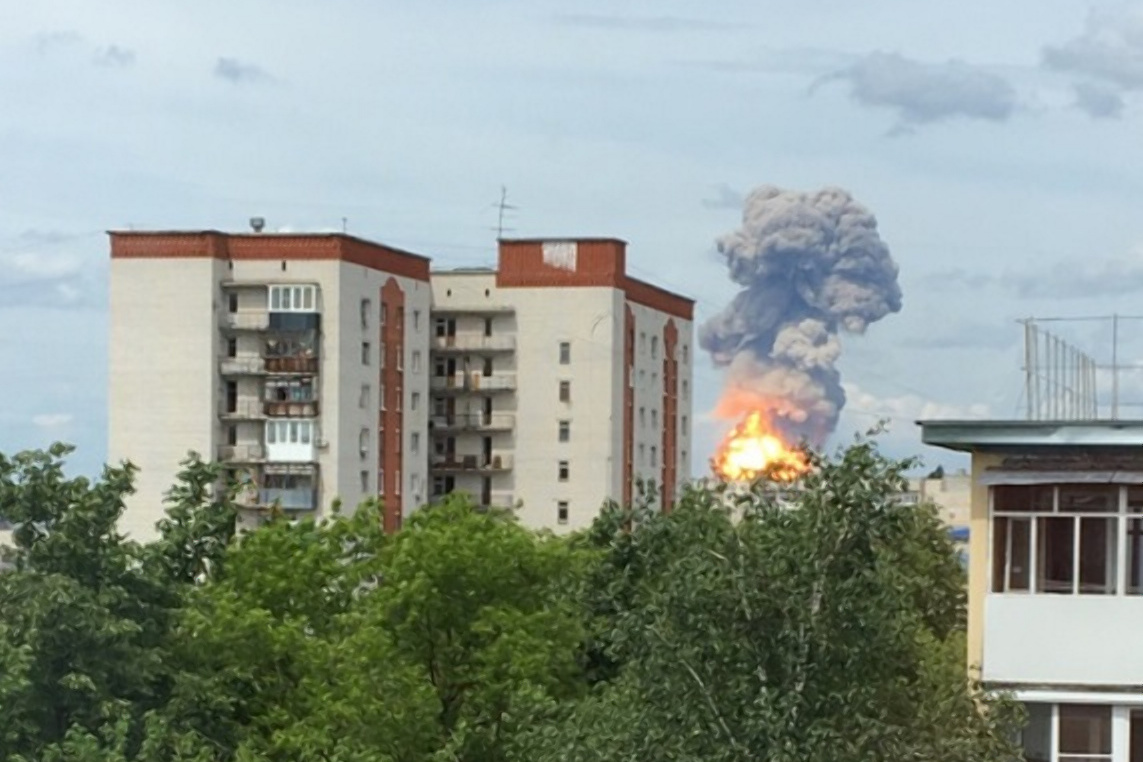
[752, 450]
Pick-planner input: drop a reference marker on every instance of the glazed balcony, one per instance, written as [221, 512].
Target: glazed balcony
[296, 499]
[291, 409]
[285, 365]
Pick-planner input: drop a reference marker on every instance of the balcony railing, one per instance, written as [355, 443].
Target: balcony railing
[246, 365]
[242, 410]
[303, 365]
[474, 343]
[472, 463]
[473, 422]
[250, 453]
[291, 409]
[298, 499]
[460, 382]
[248, 321]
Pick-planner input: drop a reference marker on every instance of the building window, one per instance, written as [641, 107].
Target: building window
[565, 431]
[642, 417]
[366, 353]
[654, 419]
[654, 347]
[654, 456]
[232, 302]
[562, 471]
[363, 443]
[685, 388]
[683, 457]
[686, 354]
[232, 435]
[683, 425]
[384, 313]
[290, 432]
[232, 347]
[562, 512]
[565, 391]
[293, 298]
[366, 311]
[487, 370]
[487, 326]
[1084, 732]
[565, 353]
[642, 455]
[363, 401]
[416, 320]
[415, 401]
[365, 481]
[415, 442]
[416, 361]
[1060, 540]
[642, 342]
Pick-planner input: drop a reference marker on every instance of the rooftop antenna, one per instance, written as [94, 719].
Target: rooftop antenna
[503, 206]
[344, 224]
[257, 223]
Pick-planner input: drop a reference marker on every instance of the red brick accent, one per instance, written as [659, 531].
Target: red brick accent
[392, 415]
[599, 262]
[628, 406]
[670, 476]
[213, 244]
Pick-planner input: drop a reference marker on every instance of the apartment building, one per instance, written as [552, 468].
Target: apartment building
[559, 382]
[323, 366]
[296, 360]
[952, 496]
[1056, 577]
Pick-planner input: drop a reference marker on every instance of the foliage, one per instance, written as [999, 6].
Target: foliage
[736, 627]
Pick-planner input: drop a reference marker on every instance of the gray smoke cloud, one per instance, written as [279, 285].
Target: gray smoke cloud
[811, 266]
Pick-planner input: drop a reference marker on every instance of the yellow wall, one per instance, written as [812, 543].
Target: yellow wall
[979, 557]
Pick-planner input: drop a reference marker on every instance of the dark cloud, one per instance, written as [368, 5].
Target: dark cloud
[970, 336]
[1065, 279]
[1107, 58]
[114, 55]
[1098, 100]
[643, 23]
[923, 93]
[233, 70]
[46, 41]
[725, 197]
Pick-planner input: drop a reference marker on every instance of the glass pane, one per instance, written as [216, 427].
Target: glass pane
[306, 433]
[286, 298]
[308, 296]
[1085, 729]
[999, 553]
[1097, 555]
[1037, 735]
[1087, 498]
[1135, 556]
[293, 432]
[1022, 499]
[1020, 555]
[271, 433]
[1135, 499]
[275, 298]
[1055, 554]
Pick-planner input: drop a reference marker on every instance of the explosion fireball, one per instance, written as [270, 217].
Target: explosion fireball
[753, 450]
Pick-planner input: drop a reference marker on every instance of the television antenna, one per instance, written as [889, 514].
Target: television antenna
[502, 208]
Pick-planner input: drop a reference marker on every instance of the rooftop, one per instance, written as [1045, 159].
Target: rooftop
[999, 435]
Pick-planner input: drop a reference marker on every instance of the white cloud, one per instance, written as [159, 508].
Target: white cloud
[904, 409]
[52, 420]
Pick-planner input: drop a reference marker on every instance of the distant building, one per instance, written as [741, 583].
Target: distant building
[1056, 577]
[322, 366]
[952, 496]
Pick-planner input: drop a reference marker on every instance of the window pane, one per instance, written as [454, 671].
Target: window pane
[1085, 498]
[305, 431]
[286, 298]
[1037, 734]
[1097, 555]
[1023, 499]
[271, 433]
[1055, 555]
[999, 553]
[1020, 555]
[1085, 729]
[293, 432]
[275, 298]
[1135, 499]
[309, 298]
[1135, 556]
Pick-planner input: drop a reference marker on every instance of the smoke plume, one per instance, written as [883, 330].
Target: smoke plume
[811, 266]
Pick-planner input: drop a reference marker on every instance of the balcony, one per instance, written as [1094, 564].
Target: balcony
[297, 499]
[473, 422]
[474, 343]
[251, 320]
[250, 453]
[471, 464]
[291, 409]
[473, 309]
[292, 365]
[473, 382]
[247, 365]
[242, 410]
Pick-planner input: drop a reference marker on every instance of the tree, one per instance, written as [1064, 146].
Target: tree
[801, 632]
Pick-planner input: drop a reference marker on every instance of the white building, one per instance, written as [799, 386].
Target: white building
[952, 496]
[325, 366]
[1056, 577]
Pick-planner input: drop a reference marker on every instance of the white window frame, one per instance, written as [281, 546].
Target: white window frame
[293, 297]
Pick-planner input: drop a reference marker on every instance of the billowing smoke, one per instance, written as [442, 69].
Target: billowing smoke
[811, 265]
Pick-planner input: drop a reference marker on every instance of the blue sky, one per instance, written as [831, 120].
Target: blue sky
[997, 144]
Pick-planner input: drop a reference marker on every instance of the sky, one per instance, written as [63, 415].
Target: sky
[997, 144]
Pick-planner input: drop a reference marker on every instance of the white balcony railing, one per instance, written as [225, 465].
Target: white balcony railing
[248, 320]
[242, 365]
[474, 343]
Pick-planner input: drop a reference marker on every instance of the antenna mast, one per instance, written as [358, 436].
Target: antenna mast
[502, 206]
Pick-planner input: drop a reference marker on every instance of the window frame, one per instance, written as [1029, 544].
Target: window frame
[292, 297]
